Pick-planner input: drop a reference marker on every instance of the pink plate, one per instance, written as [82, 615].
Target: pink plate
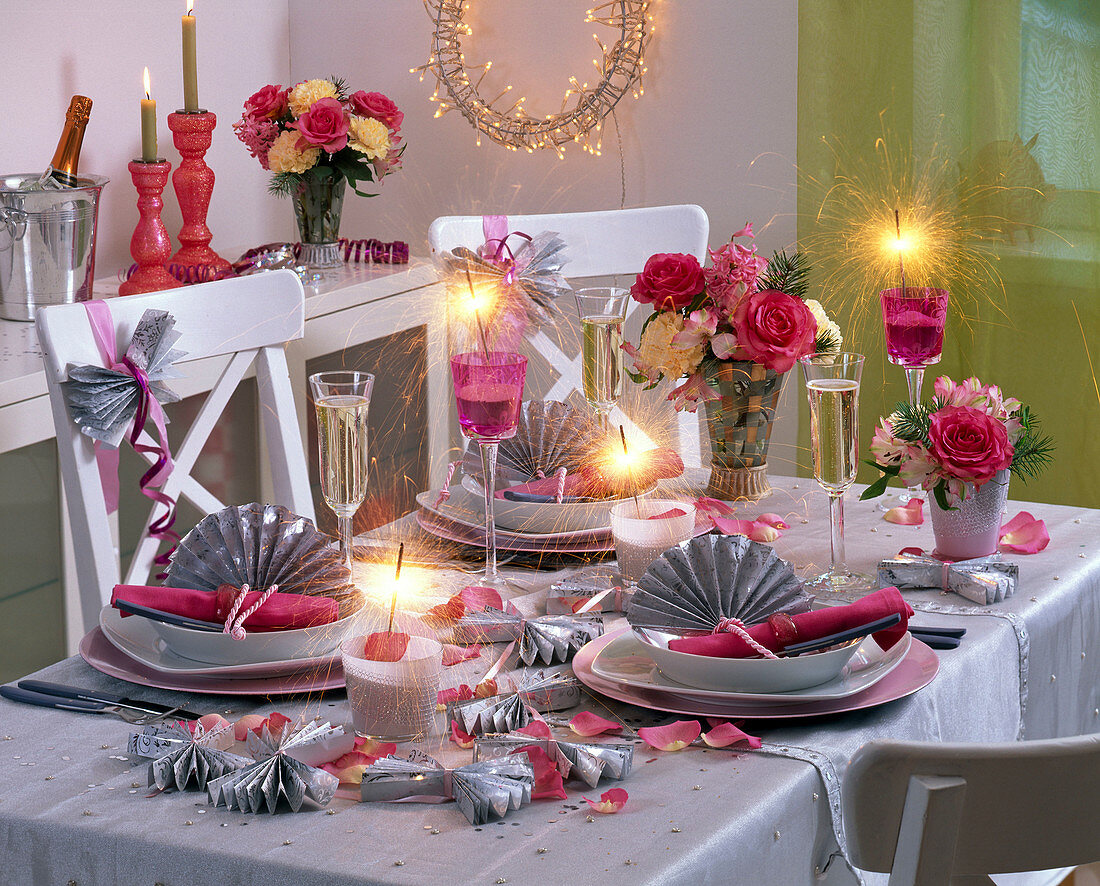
[548, 544]
[915, 672]
[98, 651]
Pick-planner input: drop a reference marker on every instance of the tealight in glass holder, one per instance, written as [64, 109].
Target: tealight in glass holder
[393, 700]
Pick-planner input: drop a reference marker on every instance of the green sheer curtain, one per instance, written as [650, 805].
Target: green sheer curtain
[1008, 89]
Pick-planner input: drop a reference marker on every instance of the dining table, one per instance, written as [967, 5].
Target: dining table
[76, 808]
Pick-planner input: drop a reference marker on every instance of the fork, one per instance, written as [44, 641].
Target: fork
[134, 718]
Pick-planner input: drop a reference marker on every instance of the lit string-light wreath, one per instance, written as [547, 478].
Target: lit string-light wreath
[583, 107]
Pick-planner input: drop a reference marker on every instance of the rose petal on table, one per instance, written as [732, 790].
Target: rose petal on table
[536, 729]
[452, 654]
[372, 747]
[588, 724]
[444, 697]
[463, 739]
[477, 598]
[671, 512]
[386, 646]
[1023, 534]
[773, 520]
[610, 801]
[548, 781]
[245, 724]
[452, 610]
[722, 735]
[754, 530]
[349, 767]
[714, 506]
[486, 689]
[208, 723]
[909, 514]
[672, 736]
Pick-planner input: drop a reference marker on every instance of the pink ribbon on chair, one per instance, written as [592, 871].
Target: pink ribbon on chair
[495, 228]
[103, 331]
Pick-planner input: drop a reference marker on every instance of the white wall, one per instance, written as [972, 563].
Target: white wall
[55, 48]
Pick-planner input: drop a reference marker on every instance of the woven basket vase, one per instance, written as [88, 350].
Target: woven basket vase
[739, 426]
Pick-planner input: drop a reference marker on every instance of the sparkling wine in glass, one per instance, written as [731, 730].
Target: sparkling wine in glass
[342, 400]
[832, 387]
[488, 390]
[602, 311]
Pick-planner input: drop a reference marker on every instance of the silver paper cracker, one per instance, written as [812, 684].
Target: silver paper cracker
[549, 638]
[983, 580]
[588, 761]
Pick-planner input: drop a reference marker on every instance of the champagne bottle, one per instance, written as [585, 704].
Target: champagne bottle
[62, 169]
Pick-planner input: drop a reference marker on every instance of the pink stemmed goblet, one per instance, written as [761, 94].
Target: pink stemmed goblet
[488, 391]
[914, 319]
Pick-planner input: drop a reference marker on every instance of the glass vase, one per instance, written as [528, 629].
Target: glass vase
[318, 203]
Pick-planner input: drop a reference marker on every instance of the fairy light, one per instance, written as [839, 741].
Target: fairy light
[583, 108]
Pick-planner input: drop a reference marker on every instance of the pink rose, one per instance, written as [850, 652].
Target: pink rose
[377, 106]
[324, 125]
[270, 103]
[773, 329]
[669, 281]
[968, 444]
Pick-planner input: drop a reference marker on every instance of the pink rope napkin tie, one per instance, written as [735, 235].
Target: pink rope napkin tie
[560, 473]
[736, 626]
[445, 492]
[234, 623]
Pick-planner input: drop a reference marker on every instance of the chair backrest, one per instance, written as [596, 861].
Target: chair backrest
[600, 244]
[226, 327]
[929, 813]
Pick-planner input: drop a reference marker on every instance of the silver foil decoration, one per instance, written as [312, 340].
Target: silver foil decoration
[550, 638]
[276, 778]
[553, 691]
[483, 790]
[507, 712]
[549, 435]
[694, 585]
[567, 596]
[587, 761]
[103, 402]
[182, 759]
[983, 580]
[262, 545]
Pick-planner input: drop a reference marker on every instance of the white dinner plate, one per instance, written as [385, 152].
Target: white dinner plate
[136, 637]
[625, 661]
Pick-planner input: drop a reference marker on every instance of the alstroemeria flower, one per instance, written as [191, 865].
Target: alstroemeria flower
[752, 528]
[725, 734]
[588, 724]
[698, 328]
[548, 781]
[638, 365]
[909, 514]
[463, 739]
[453, 654]
[672, 736]
[386, 646]
[610, 801]
[692, 391]
[1023, 534]
[724, 344]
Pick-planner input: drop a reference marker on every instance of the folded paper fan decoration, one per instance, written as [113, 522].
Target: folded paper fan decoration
[549, 638]
[505, 712]
[182, 759]
[588, 761]
[262, 545]
[696, 584]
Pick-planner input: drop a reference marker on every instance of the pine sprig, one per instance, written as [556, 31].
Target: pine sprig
[910, 423]
[284, 184]
[1033, 451]
[828, 342]
[787, 273]
[341, 85]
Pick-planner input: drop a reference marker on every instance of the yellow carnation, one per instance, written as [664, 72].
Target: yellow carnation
[307, 92]
[656, 347]
[284, 156]
[369, 136]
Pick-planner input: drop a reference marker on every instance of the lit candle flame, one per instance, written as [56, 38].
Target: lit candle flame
[148, 88]
[190, 6]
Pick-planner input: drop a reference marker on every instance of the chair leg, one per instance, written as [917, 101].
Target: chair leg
[929, 829]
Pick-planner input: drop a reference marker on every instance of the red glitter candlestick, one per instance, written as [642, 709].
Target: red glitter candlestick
[193, 181]
[149, 245]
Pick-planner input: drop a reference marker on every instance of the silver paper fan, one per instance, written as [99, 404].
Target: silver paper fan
[276, 777]
[182, 759]
[262, 545]
[551, 638]
[497, 713]
[694, 585]
[588, 761]
[549, 435]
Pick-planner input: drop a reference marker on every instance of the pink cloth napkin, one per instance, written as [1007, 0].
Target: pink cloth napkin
[280, 612]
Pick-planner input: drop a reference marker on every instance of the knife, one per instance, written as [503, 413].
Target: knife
[76, 694]
[850, 634]
[537, 498]
[167, 617]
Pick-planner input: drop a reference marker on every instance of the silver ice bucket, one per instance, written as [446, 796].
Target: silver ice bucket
[47, 243]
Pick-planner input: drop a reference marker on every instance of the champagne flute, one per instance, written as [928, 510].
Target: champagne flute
[488, 391]
[342, 400]
[832, 386]
[602, 310]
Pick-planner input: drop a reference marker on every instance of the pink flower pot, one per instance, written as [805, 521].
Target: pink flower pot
[973, 528]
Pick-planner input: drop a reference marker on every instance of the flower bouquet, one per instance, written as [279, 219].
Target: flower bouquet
[729, 332]
[316, 138]
[961, 447]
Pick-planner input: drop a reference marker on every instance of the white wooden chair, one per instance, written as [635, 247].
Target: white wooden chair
[227, 326]
[936, 814]
[600, 244]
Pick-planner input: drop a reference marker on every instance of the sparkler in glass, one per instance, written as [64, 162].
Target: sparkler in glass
[488, 390]
[832, 386]
[602, 311]
[342, 400]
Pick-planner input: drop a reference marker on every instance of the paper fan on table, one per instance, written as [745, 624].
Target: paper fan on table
[262, 545]
[549, 435]
[694, 585]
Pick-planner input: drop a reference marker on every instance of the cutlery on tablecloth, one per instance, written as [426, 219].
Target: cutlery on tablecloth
[537, 498]
[95, 696]
[857, 632]
[133, 716]
[939, 638]
[169, 618]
